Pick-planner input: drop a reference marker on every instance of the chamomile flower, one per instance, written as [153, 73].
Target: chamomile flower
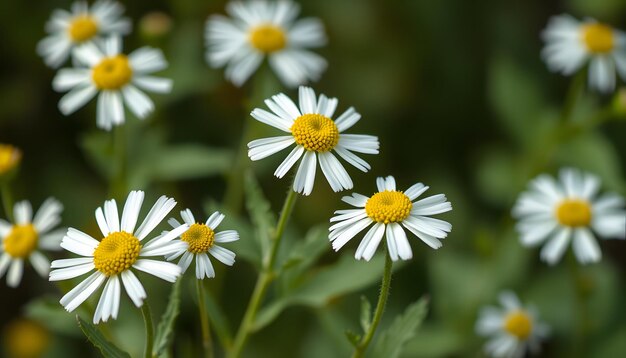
[316, 136]
[68, 29]
[115, 78]
[260, 29]
[200, 240]
[389, 210]
[22, 240]
[513, 329]
[558, 212]
[571, 44]
[118, 255]
[9, 158]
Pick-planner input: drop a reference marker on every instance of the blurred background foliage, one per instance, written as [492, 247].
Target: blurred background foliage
[461, 101]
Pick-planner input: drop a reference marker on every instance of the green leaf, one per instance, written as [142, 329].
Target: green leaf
[98, 147]
[219, 321]
[47, 311]
[165, 329]
[97, 339]
[402, 330]
[259, 208]
[366, 314]
[353, 338]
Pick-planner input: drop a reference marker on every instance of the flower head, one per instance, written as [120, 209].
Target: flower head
[22, 240]
[512, 330]
[389, 210]
[316, 136]
[115, 77]
[10, 158]
[117, 255]
[200, 240]
[570, 44]
[568, 209]
[260, 29]
[68, 29]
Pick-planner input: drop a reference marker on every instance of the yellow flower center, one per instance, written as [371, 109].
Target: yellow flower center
[21, 241]
[518, 324]
[268, 38]
[388, 207]
[25, 338]
[315, 132]
[574, 213]
[9, 157]
[199, 237]
[83, 28]
[598, 38]
[112, 73]
[116, 253]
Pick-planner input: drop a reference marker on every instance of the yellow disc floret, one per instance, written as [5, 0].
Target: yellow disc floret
[116, 253]
[388, 207]
[21, 241]
[83, 28]
[518, 324]
[9, 157]
[199, 237]
[268, 38]
[315, 132]
[574, 213]
[598, 38]
[112, 73]
[25, 338]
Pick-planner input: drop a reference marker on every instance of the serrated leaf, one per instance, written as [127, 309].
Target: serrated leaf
[366, 314]
[353, 338]
[259, 208]
[402, 330]
[165, 329]
[96, 338]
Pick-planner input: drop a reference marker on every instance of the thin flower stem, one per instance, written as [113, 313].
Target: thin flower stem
[207, 343]
[380, 308]
[147, 319]
[118, 182]
[574, 92]
[7, 200]
[582, 307]
[264, 279]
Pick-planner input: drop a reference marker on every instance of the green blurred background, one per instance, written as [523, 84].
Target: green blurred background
[460, 99]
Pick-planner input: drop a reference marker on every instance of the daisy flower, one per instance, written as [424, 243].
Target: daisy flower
[570, 44]
[557, 212]
[260, 29]
[115, 77]
[83, 24]
[24, 239]
[9, 158]
[201, 239]
[389, 210]
[512, 330]
[316, 136]
[117, 255]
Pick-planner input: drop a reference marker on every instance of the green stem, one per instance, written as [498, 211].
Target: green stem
[118, 182]
[207, 343]
[265, 278]
[582, 307]
[575, 89]
[147, 319]
[380, 308]
[7, 200]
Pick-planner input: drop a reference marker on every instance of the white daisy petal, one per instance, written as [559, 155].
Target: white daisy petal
[226, 236]
[556, 246]
[185, 261]
[133, 287]
[156, 214]
[585, 246]
[262, 148]
[76, 98]
[40, 263]
[16, 270]
[82, 291]
[111, 215]
[223, 255]
[305, 176]
[23, 212]
[370, 242]
[163, 270]
[140, 104]
[48, 215]
[131, 210]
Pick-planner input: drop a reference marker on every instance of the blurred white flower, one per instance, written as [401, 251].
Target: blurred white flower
[556, 212]
[316, 136]
[571, 44]
[390, 210]
[260, 29]
[82, 25]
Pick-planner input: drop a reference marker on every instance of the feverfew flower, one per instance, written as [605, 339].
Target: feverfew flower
[82, 25]
[570, 44]
[260, 29]
[512, 330]
[316, 137]
[558, 212]
[22, 240]
[9, 158]
[117, 79]
[200, 240]
[117, 255]
[390, 210]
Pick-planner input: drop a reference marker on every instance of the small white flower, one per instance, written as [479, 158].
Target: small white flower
[570, 44]
[23, 239]
[82, 25]
[512, 330]
[114, 256]
[556, 212]
[260, 29]
[390, 210]
[316, 136]
[116, 77]
[201, 239]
